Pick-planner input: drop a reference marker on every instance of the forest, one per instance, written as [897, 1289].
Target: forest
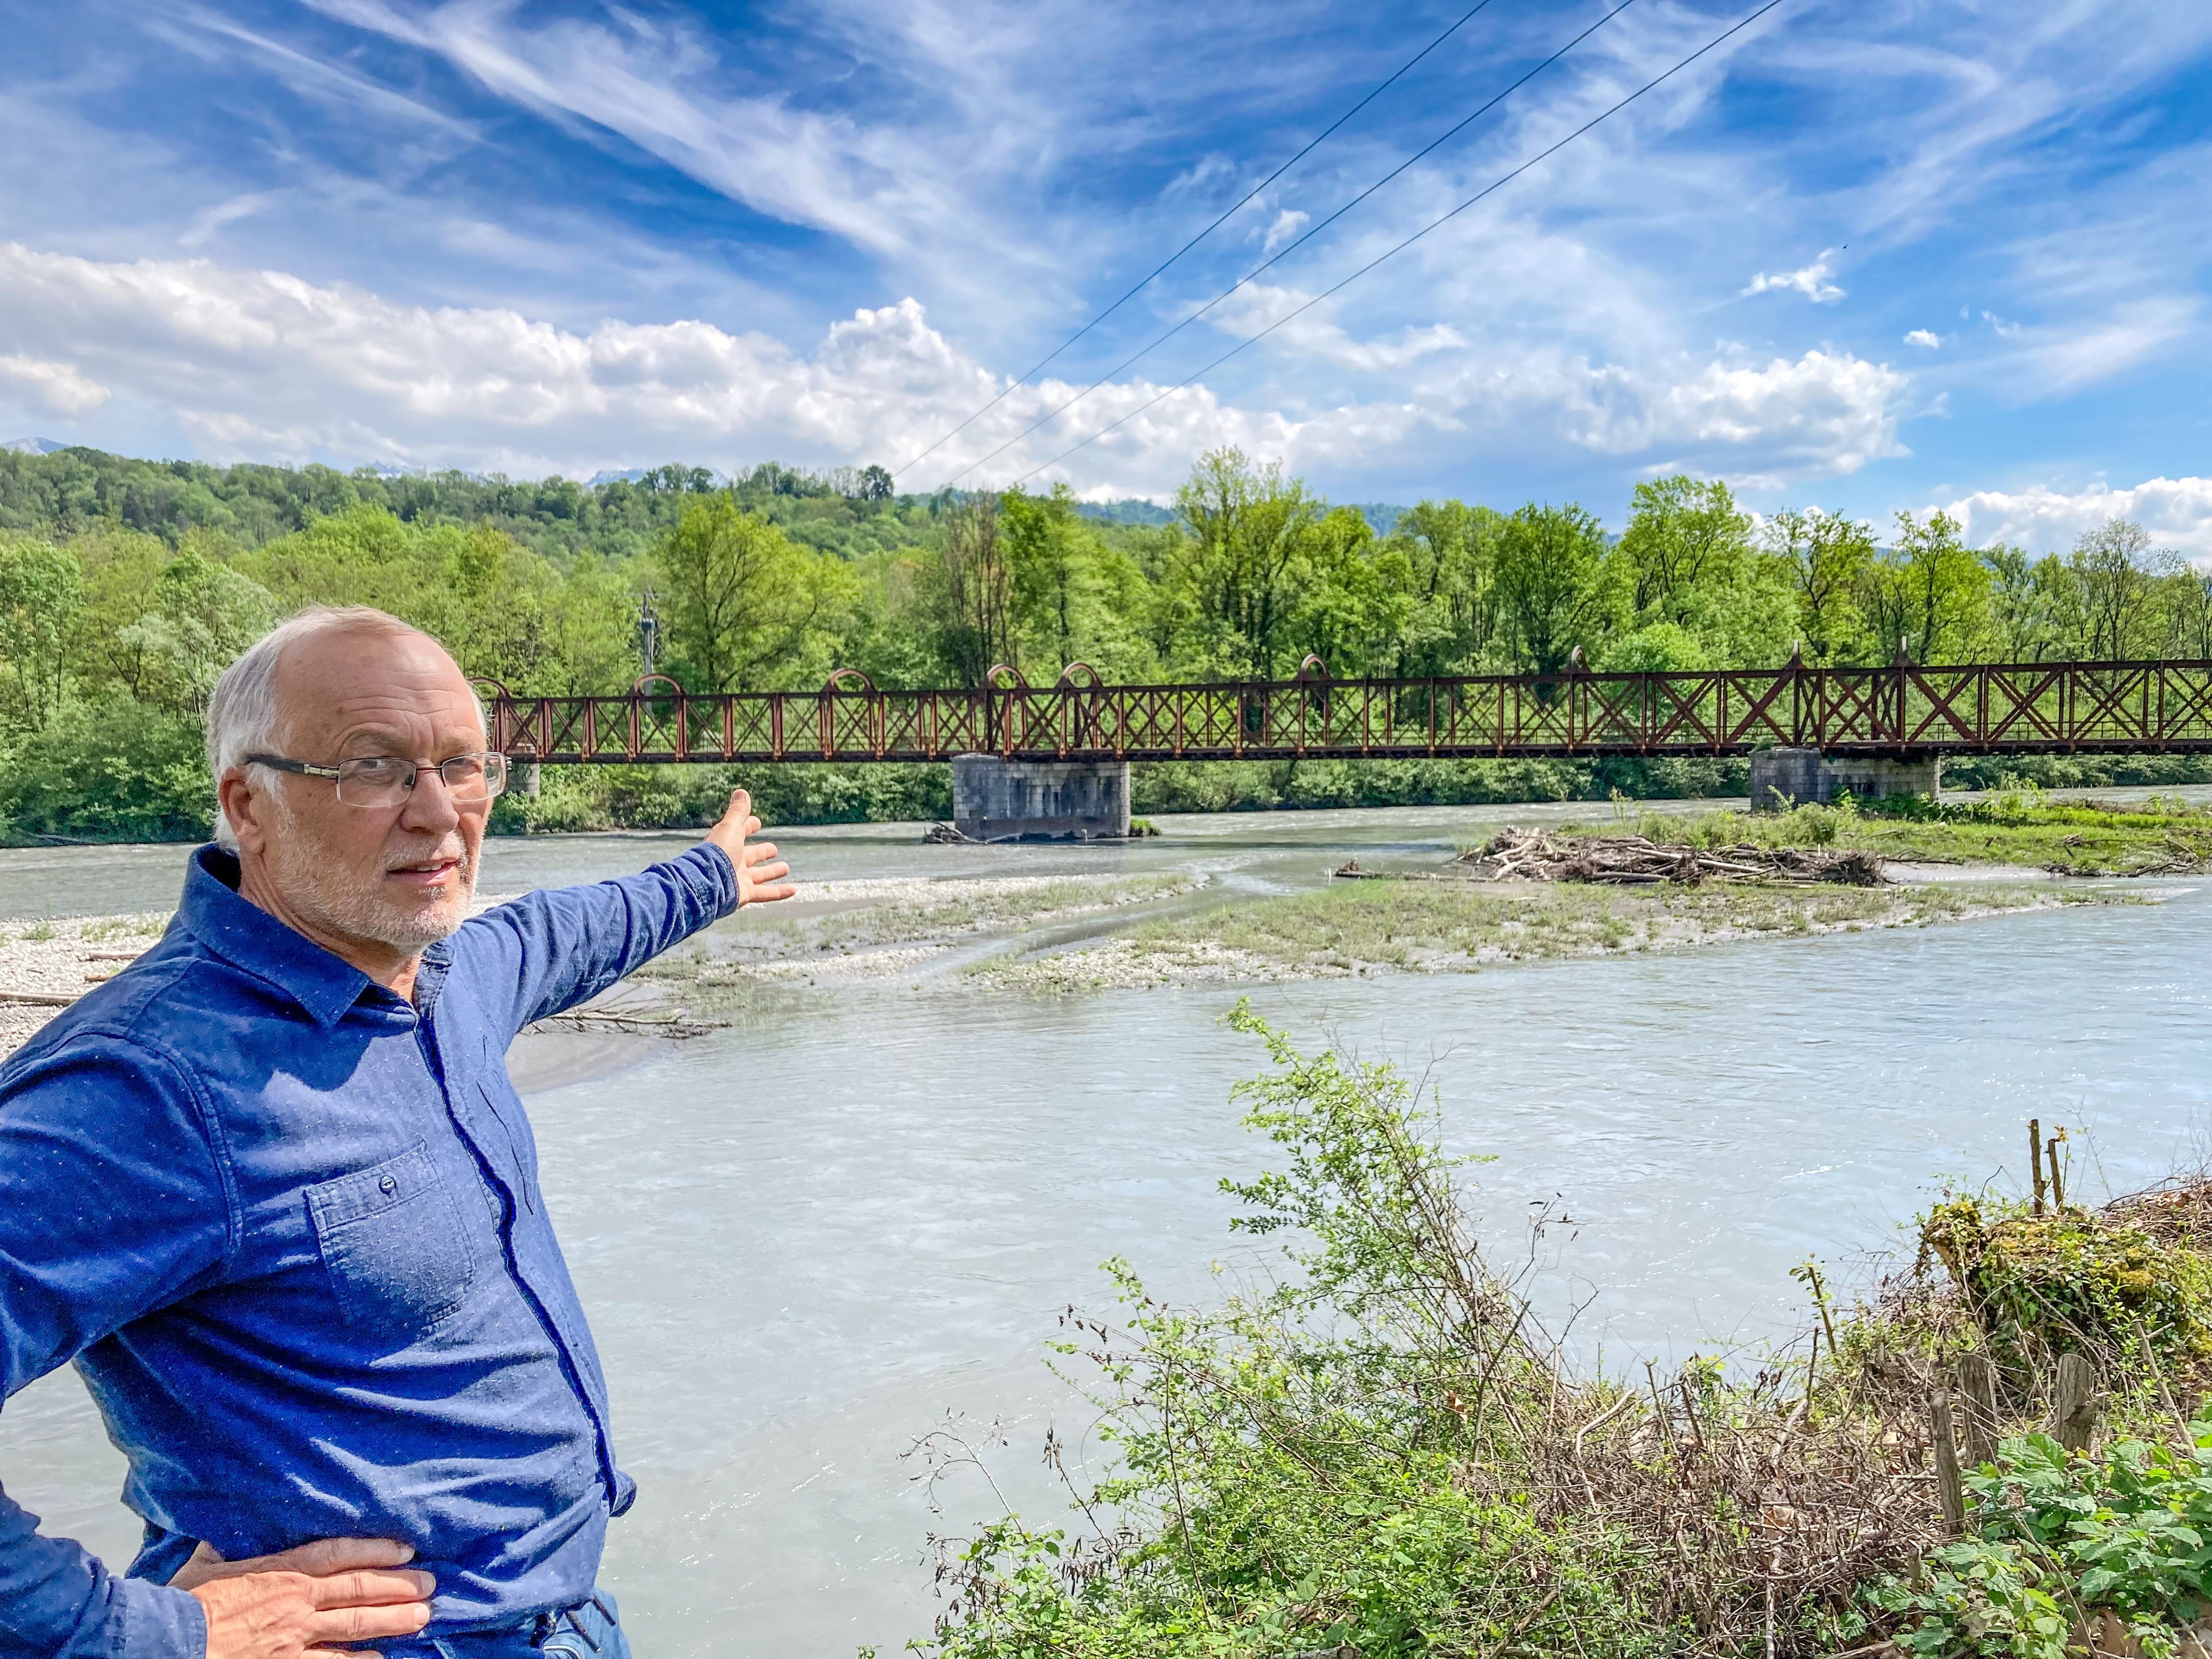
[126, 585]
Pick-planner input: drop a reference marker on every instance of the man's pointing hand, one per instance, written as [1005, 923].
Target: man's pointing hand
[307, 1602]
[760, 873]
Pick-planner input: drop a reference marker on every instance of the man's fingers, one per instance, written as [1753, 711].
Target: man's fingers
[373, 1589]
[770, 894]
[759, 852]
[768, 873]
[343, 1624]
[328, 1555]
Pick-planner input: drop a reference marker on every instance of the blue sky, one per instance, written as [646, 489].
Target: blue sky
[1870, 254]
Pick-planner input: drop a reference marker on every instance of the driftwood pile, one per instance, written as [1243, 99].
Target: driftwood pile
[1630, 860]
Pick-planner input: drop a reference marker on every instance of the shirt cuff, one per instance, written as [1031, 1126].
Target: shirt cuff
[721, 873]
[158, 1622]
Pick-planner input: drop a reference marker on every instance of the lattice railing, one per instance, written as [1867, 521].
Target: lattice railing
[1903, 708]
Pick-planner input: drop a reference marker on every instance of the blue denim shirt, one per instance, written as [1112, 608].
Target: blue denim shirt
[289, 1228]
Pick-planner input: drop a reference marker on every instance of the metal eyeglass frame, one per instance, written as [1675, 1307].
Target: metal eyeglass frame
[494, 764]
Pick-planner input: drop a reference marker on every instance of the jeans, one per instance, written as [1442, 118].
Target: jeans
[590, 1630]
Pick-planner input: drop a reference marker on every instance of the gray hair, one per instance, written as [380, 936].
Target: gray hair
[243, 718]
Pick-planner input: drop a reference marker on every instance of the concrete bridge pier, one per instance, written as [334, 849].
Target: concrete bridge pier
[1799, 777]
[995, 799]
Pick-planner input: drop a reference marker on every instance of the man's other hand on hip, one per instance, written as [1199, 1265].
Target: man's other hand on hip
[308, 1603]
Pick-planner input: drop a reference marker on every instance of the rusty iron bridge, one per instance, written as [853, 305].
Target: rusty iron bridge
[1903, 711]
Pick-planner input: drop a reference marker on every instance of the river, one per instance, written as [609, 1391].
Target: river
[806, 1240]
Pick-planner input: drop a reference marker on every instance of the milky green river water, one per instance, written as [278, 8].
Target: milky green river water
[804, 1241]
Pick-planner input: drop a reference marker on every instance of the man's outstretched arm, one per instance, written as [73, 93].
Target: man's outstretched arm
[560, 946]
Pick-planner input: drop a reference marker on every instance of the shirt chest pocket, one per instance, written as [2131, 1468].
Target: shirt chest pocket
[392, 1242]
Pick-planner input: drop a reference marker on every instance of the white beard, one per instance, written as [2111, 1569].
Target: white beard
[337, 902]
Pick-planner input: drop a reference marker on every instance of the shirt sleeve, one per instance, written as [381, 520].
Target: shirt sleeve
[563, 945]
[113, 1203]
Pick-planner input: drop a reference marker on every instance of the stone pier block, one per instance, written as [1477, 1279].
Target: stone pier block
[1805, 776]
[995, 799]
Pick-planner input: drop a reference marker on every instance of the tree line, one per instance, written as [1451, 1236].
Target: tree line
[126, 585]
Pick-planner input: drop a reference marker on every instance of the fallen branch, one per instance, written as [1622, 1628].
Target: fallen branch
[1631, 860]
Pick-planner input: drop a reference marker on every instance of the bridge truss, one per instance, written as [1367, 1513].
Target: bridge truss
[1901, 710]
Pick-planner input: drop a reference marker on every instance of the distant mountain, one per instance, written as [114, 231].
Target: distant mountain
[35, 446]
[625, 475]
[1381, 514]
[1130, 509]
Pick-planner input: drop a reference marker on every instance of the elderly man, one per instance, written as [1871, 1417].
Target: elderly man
[271, 1190]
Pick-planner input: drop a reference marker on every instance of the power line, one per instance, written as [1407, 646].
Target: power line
[1495, 184]
[1316, 144]
[1441, 138]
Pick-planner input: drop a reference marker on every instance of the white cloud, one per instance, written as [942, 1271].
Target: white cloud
[1758, 425]
[1812, 282]
[265, 365]
[1315, 333]
[1288, 223]
[1924, 337]
[54, 386]
[2178, 513]
[262, 364]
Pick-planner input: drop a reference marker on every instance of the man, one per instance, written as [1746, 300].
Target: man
[271, 1190]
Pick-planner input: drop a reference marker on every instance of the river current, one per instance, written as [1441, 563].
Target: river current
[809, 1239]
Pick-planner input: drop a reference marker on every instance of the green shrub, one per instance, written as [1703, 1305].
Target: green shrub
[2057, 1539]
[117, 769]
[2070, 1279]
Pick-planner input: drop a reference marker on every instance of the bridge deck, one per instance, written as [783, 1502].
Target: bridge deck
[1902, 710]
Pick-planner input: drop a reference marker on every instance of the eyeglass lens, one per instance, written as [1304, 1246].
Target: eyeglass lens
[386, 780]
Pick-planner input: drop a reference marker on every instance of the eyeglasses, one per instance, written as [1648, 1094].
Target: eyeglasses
[387, 781]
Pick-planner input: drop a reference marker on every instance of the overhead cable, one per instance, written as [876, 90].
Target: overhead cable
[1145, 351]
[1495, 184]
[1315, 143]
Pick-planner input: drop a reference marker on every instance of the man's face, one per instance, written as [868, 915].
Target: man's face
[399, 876]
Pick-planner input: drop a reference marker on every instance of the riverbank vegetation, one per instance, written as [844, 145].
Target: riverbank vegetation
[126, 585]
[1458, 925]
[2016, 826]
[1372, 1446]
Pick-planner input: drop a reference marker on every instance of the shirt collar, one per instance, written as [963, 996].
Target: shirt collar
[244, 933]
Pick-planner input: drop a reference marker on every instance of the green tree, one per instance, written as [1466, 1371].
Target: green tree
[975, 591]
[41, 589]
[1551, 588]
[1928, 595]
[1685, 550]
[1356, 598]
[748, 611]
[2117, 571]
[203, 614]
[1046, 547]
[1450, 551]
[1249, 530]
[2034, 605]
[1823, 558]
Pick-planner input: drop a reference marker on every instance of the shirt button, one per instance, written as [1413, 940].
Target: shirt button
[389, 1186]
